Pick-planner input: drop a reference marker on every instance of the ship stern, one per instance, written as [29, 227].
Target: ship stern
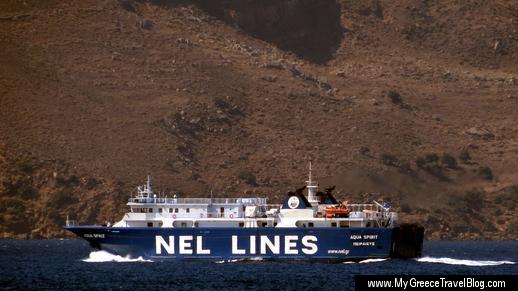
[407, 241]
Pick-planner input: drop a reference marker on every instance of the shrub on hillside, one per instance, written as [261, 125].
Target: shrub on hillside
[70, 181]
[464, 156]
[508, 198]
[513, 228]
[448, 161]
[395, 97]
[420, 162]
[91, 183]
[475, 199]
[20, 188]
[12, 206]
[61, 198]
[389, 160]
[405, 208]
[430, 163]
[469, 202]
[437, 171]
[26, 166]
[486, 173]
[248, 177]
[431, 158]
[393, 161]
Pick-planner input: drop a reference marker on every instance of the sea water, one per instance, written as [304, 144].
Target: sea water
[71, 264]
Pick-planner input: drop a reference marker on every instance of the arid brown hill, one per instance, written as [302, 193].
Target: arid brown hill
[415, 102]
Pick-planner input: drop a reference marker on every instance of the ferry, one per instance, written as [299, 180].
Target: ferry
[308, 225]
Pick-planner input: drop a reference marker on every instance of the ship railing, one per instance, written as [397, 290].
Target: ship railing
[212, 214]
[267, 207]
[244, 201]
[266, 210]
[188, 216]
[272, 206]
[369, 207]
[219, 215]
[69, 222]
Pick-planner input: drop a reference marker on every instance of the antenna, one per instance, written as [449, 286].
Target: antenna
[310, 171]
[312, 187]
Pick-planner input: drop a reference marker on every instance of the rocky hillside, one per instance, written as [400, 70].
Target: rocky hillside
[415, 102]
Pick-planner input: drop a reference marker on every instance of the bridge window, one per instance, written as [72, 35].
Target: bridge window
[333, 224]
[176, 210]
[150, 210]
[159, 210]
[187, 210]
[310, 224]
[170, 210]
[241, 224]
[150, 224]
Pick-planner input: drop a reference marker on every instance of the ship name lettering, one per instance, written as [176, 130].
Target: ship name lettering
[188, 245]
[273, 245]
[370, 236]
[184, 245]
[94, 235]
[364, 243]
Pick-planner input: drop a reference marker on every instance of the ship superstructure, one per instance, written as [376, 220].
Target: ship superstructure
[317, 209]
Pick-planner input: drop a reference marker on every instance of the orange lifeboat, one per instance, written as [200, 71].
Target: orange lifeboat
[336, 212]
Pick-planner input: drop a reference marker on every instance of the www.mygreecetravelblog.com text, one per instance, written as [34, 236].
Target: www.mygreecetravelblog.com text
[438, 282]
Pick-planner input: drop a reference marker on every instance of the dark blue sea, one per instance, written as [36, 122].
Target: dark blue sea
[71, 264]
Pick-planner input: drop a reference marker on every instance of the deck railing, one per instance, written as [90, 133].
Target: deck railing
[246, 201]
[376, 206]
[69, 222]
